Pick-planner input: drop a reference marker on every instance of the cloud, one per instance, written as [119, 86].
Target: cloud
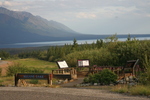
[112, 14]
[85, 15]
[11, 3]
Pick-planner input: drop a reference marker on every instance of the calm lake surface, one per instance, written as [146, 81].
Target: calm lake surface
[58, 43]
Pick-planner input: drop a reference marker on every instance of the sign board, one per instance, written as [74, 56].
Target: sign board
[83, 63]
[131, 63]
[62, 64]
[0, 58]
[47, 77]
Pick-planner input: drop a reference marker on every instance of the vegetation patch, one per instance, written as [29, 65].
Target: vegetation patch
[19, 68]
[135, 90]
[105, 77]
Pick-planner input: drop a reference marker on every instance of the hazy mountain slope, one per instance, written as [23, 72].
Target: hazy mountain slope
[24, 27]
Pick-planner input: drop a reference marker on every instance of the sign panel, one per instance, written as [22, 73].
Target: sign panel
[62, 64]
[83, 63]
[18, 76]
[33, 76]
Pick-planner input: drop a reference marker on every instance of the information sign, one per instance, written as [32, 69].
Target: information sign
[62, 64]
[83, 63]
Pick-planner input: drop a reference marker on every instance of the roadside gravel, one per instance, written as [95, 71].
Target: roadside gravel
[46, 93]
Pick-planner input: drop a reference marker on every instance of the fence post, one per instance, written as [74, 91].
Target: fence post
[16, 80]
[50, 77]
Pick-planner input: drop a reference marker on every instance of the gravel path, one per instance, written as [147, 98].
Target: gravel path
[3, 62]
[46, 93]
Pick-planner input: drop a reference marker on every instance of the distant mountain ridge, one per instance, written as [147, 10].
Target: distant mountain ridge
[24, 27]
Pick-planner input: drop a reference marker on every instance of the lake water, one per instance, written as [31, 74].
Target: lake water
[58, 43]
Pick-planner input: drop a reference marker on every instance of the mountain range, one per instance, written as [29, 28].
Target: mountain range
[24, 27]
[21, 27]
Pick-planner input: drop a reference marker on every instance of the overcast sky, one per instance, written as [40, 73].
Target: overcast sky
[90, 16]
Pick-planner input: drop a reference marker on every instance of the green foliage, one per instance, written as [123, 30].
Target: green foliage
[101, 53]
[110, 52]
[136, 90]
[97, 57]
[33, 54]
[75, 45]
[112, 38]
[106, 77]
[4, 55]
[145, 77]
[18, 68]
[34, 81]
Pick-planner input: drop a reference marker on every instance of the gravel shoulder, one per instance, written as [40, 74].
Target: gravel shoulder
[4, 65]
[46, 93]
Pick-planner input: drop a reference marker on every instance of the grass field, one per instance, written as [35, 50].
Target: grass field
[29, 62]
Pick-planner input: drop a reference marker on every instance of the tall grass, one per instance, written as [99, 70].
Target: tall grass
[36, 63]
[19, 68]
[140, 90]
[135, 90]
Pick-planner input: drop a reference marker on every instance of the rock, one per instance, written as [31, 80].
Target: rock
[95, 84]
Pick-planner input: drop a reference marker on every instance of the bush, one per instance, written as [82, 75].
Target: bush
[34, 81]
[18, 68]
[106, 77]
[144, 78]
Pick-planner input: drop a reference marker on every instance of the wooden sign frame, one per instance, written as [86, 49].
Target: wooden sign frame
[47, 77]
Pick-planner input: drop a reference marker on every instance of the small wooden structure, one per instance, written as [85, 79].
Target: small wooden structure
[64, 72]
[131, 68]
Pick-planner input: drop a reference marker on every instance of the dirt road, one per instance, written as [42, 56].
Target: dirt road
[3, 62]
[46, 93]
[4, 65]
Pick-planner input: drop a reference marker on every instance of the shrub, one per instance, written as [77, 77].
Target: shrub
[145, 77]
[86, 80]
[19, 68]
[34, 81]
[106, 77]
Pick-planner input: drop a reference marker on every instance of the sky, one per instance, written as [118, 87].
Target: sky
[90, 16]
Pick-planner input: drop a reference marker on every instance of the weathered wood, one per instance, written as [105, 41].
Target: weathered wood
[69, 73]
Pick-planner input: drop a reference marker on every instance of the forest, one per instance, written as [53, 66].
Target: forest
[107, 52]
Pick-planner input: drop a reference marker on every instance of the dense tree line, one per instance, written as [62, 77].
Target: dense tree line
[105, 52]
[102, 53]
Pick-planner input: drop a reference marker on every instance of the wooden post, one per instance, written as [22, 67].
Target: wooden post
[51, 77]
[16, 80]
